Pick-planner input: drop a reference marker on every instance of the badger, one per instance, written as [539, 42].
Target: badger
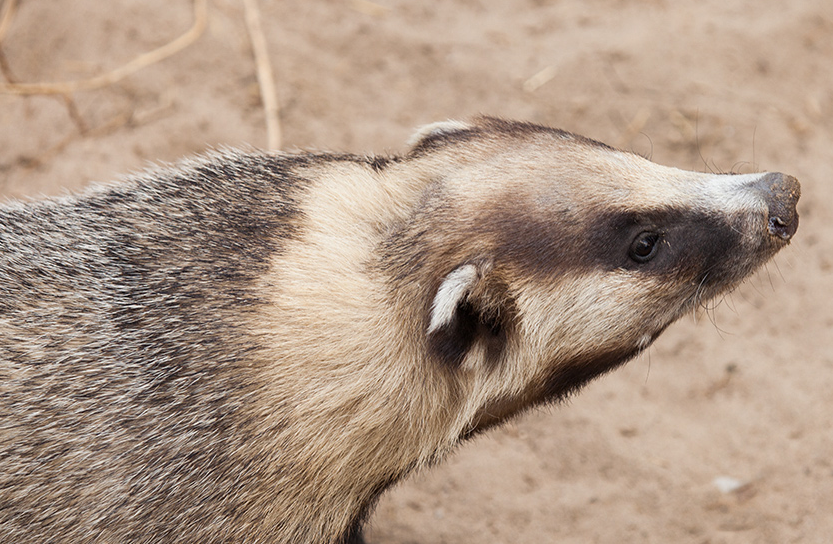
[251, 346]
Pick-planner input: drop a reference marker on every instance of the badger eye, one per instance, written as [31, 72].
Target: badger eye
[644, 247]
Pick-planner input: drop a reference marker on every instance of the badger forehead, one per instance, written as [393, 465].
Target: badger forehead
[550, 170]
[608, 179]
[647, 185]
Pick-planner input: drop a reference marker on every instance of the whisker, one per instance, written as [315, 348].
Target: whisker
[778, 268]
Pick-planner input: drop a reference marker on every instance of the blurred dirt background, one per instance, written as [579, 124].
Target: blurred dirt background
[722, 432]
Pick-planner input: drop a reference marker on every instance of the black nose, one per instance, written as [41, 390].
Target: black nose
[781, 193]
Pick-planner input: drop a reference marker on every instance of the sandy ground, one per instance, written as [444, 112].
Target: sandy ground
[742, 392]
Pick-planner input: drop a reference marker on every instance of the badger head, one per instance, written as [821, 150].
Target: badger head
[543, 258]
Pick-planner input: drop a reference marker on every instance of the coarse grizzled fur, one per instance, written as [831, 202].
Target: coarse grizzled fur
[251, 347]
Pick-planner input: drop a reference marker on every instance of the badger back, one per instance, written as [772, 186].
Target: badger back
[124, 360]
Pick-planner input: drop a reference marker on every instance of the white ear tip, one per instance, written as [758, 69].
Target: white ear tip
[453, 289]
[436, 129]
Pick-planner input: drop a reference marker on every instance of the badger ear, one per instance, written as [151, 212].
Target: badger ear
[430, 134]
[459, 316]
[453, 292]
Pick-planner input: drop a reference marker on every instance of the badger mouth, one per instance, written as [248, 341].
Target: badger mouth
[742, 263]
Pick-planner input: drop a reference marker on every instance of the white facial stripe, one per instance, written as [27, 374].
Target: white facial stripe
[633, 182]
[733, 193]
[454, 287]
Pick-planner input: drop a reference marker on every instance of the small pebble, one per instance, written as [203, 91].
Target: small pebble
[726, 484]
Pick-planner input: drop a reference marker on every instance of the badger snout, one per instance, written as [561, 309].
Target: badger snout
[781, 193]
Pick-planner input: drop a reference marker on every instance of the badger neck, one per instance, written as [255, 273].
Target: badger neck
[349, 403]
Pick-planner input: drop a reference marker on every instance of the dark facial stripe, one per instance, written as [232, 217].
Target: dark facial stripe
[691, 242]
[563, 380]
[568, 378]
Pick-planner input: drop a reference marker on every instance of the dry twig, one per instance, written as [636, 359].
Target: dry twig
[109, 78]
[265, 78]
[6, 17]
[6, 70]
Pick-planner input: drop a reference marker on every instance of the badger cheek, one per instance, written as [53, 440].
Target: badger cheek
[567, 378]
